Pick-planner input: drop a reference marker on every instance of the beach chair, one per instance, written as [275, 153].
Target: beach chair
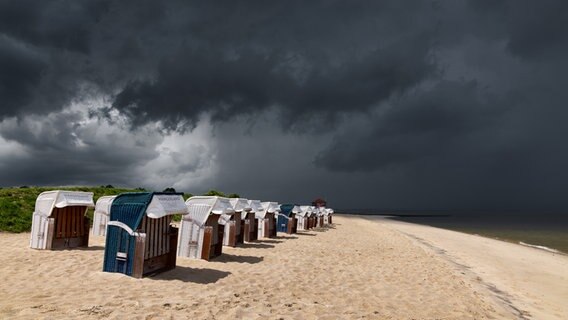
[200, 235]
[242, 207]
[256, 208]
[302, 218]
[327, 216]
[59, 220]
[312, 218]
[267, 219]
[231, 224]
[287, 221]
[140, 240]
[320, 212]
[101, 215]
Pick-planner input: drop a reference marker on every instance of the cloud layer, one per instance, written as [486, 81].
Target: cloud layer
[390, 104]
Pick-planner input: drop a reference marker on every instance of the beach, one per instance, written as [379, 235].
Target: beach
[362, 267]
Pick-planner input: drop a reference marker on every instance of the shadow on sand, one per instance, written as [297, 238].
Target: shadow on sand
[256, 245]
[285, 238]
[91, 248]
[306, 234]
[268, 241]
[225, 257]
[195, 275]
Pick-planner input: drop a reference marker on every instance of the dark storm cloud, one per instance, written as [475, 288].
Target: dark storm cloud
[21, 73]
[434, 122]
[310, 63]
[64, 24]
[231, 58]
[533, 30]
[404, 95]
[186, 88]
[60, 149]
[44, 49]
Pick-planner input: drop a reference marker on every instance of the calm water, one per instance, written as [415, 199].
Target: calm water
[544, 229]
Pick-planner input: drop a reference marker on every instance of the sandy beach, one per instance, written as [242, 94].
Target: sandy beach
[363, 267]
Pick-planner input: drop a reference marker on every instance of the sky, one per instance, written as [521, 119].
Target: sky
[370, 104]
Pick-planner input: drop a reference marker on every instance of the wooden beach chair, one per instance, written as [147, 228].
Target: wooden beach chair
[302, 218]
[242, 207]
[287, 221]
[140, 240]
[59, 220]
[200, 235]
[327, 216]
[256, 208]
[267, 219]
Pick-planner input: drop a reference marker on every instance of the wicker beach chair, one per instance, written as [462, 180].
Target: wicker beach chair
[59, 220]
[140, 240]
[201, 236]
[287, 221]
[242, 207]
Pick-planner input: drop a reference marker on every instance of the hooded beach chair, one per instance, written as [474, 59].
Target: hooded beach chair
[312, 217]
[327, 216]
[267, 219]
[59, 220]
[140, 240]
[231, 224]
[287, 221]
[200, 235]
[302, 217]
[320, 212]
[243, 208]
[256, 208]
[101, 215]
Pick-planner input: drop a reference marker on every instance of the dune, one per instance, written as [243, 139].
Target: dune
[359, 268]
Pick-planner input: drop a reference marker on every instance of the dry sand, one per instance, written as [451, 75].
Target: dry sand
[361, 268]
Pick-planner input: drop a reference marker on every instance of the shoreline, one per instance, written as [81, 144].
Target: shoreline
[531, 281]
[505, 235]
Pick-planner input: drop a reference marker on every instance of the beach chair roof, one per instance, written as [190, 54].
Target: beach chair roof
[131, 207]
[48, 200]
[313, 211]
[201, 207]
[103, 204]
[289, 209]
[267, 207]
[257, 208]
[304, 211]
[240, 204]
[271, 207]
[255, 205]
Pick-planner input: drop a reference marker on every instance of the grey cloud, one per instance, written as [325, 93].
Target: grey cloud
[21, 72]
[533, 30]
[427, 123]
[454, 103]
[241, 57]
[60, 149]
[187, 88]
[65, 25]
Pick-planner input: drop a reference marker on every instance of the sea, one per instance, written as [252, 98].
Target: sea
[543, 230]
